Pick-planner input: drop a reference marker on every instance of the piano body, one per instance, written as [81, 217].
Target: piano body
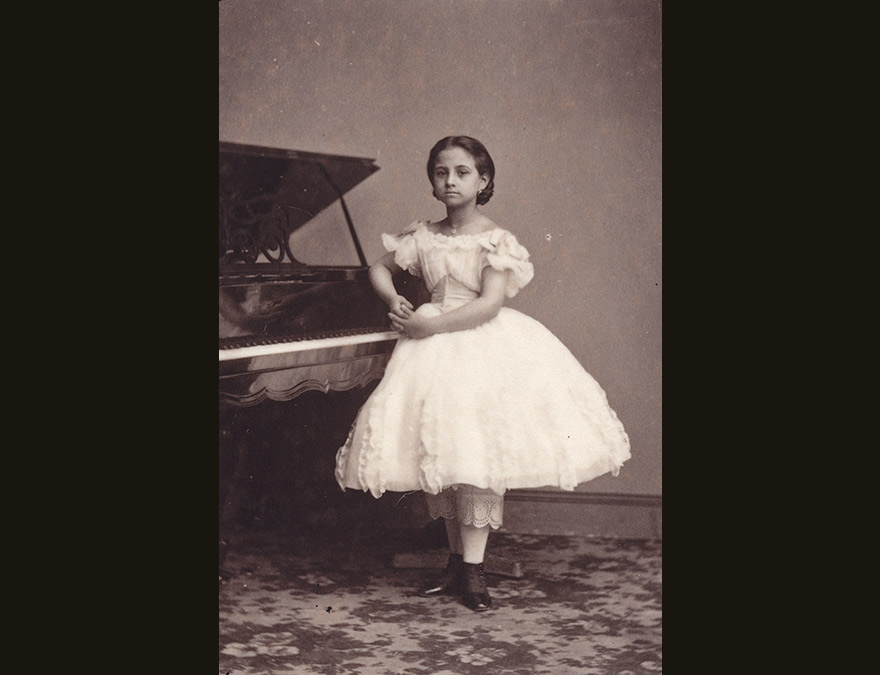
[293, 336]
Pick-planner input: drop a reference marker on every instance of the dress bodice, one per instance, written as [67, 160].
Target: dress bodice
[449, 293]
[452, 267]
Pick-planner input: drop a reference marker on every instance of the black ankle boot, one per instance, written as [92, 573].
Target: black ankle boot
[449, 581]
[474, 592]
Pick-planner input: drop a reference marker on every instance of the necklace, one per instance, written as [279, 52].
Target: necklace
[453, 229]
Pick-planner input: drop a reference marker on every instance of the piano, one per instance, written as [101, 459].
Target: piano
[285, 326]
[290, 328]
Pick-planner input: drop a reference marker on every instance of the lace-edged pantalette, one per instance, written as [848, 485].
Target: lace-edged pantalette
[468, 505]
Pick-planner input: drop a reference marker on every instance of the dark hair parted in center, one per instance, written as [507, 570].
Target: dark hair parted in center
[482, 160]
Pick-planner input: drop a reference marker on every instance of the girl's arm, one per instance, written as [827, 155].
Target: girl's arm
[381, 273]
[471, 315]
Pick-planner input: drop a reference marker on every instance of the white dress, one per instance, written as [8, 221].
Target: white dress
[504, 405]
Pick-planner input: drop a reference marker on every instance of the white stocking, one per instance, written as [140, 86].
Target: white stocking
[473, 540]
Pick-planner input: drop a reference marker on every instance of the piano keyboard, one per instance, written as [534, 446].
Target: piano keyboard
[282, 370]
[249, 347]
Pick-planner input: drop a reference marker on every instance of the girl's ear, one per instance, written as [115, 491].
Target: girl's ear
[484, 181]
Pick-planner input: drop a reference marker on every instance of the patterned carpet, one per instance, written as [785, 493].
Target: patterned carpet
[294, 604]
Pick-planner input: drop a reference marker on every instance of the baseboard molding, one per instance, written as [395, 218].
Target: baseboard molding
[626, 516]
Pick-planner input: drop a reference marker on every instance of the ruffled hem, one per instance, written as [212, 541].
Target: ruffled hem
[467, 507]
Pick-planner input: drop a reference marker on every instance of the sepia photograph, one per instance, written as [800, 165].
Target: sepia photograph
[440, 337]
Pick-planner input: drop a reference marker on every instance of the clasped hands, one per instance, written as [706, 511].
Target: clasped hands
[405, 321]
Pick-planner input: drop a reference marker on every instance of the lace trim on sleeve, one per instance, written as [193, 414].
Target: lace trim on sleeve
[504, 252]
[406, 253]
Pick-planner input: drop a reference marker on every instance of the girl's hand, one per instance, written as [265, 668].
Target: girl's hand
[413, 325]
[399, 306]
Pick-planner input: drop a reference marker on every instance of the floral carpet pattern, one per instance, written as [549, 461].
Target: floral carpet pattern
[293, 604]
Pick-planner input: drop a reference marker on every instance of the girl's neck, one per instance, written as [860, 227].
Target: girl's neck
[457, 219]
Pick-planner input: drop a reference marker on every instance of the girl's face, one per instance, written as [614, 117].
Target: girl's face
[456, 179]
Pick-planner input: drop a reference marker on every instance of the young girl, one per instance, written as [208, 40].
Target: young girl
[477, 398]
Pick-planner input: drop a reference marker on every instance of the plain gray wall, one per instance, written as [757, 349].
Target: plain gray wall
[566, 95]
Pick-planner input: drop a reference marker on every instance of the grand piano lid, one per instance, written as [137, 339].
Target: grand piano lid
[266, 194]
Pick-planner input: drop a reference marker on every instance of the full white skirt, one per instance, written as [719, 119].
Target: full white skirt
[501, 406]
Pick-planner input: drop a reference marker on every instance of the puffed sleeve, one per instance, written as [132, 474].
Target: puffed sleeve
[406, 253]
[504, 252]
